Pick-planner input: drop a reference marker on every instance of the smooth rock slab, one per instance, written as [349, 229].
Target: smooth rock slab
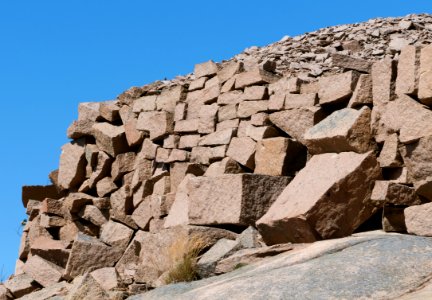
[72, 166]
[325, 200]
[380, 266]
[237, 199]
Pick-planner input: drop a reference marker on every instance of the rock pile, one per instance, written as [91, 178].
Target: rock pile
[239, 156]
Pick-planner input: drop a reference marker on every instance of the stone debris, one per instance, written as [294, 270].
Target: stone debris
[310, 138]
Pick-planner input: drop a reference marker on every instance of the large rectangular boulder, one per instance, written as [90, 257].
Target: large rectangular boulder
[157, 123]
[327, 199]
[425, 80]
[337, 88]
[110, 138]
[72, 166]
[236, 199]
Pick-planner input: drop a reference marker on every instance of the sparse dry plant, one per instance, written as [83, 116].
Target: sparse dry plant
[183, 255]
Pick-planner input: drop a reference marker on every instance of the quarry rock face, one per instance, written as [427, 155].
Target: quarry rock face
[310, 138]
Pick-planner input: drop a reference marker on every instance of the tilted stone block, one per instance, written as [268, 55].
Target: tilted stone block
[337, 88]
[300, 100]
[310, 206]
[146, 103]
[169, 97]
[229, 70]
[249, 108]
[344, 130]
[387, 192]
[42, 271]
[89, 254]
[352, 63]
[295, 122]
[363, 92]
[254, 77]
[110, 138]
[242, 150]
[116, 235]
[222, 137]
[208, 68]
[383, 75]
[109, 110]
[389, 155]
[72, 166]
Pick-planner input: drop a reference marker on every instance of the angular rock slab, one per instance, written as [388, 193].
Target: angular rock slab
[343, 131]
[325, 200]
[324, 267]
[238, 199]
[418, 219]
[72, 166]
[89, 254]
[297, 121]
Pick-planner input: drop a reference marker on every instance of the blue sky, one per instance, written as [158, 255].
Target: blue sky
[55, 54]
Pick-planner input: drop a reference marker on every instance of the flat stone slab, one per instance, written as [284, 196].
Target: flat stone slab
[380, 266]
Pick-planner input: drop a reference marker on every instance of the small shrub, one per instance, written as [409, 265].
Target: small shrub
[183, 256]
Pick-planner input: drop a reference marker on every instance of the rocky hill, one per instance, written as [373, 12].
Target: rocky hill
[246, 167]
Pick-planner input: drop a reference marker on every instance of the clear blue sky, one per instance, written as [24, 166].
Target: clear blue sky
[55, 54]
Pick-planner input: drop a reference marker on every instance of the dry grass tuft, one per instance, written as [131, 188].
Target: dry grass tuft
[184, 254]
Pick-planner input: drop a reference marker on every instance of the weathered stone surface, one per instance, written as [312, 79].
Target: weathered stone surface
[80, 129]
[208, 68]
[92, 214]
[75, 201]
[222, 137]
[42, 271]
[285, 85]
[104, 162]
[363, 92]
[158, 124]
[89, 254]
[106, 277]
[352, 63]
[169, 97]
[207, 263]
[225, 166]
[51, 250]
[72, 166]
[276, 156]
[309, 208]
[418, 219]
[232, 97]
[254, 77]
[290, 275]
[207, 118]
[197, 84]
[178, 155]
[20, 285]
[414, 121]
[123, 164]
[87, 288]
[337, 88]
[418, 161]
[146, 103]
[210, 94]
[229, 70]
[47, 221]
[180, 111]
[299, 100]
[239, 199]
[387, 192]
[425, 86]
[179, 211]
[116, 235]
[255, 92]
[39, 193]
[109, 110]
[242, 150]
[258, 133]
[407, 71]
[89, 111]
[148, 150]
[110, 138]
[143, 213]
[344, 130]
[383, 74]
[249, 108]
[54, 292]
[389, 155]
[105, 186]
[189, 141]
[296, 122]
[187, 126]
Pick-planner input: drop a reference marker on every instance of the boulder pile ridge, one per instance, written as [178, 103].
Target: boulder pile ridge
[311, 138]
